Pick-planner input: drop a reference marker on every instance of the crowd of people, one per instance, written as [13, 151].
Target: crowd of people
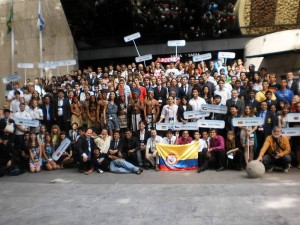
[110, 117]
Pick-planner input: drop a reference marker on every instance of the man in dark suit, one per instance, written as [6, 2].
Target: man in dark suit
[218, 116]
[4, 122]
[85, 146]
[62, 110]
[242, 93]
[48, 112]
[130, 148]
[233, 113]
[269, 100]
[234, 100]
[160, 94]
[94, 80]
[116, 144]
[142, 135]
[186, 89]
[266, 129]
[252, 102]
[292, 84]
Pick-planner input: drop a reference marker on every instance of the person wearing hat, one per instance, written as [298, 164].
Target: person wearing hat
[151, 109]
[136, 107]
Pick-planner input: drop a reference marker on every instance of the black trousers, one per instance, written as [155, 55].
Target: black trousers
[238, 160]
[283, 162]
[216, 160]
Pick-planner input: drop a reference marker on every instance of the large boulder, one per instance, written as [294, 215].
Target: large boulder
[255, 169]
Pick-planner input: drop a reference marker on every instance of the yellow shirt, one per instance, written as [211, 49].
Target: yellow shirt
[270, 146]
[260, 96]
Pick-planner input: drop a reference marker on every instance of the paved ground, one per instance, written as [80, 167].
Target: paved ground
[152, 198]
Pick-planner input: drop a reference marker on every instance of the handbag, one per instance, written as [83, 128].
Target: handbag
[9, 127]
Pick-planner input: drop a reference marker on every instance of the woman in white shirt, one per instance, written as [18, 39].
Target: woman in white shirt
[36, 114]
[169, 112]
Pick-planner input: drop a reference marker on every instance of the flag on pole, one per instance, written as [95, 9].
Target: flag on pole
[178, 157]
[9, 18]
[41, 22]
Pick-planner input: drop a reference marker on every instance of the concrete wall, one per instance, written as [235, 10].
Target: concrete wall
[58, 43]
[257, 17]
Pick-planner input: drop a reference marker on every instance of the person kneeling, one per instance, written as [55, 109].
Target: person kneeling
[278, 151]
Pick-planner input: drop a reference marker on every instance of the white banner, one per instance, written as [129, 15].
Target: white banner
[214, 108]
[218, 124]
[143, 58]
[198, 58]
[132, 37]
[229, 55]
[50, 65]
[176, 43]
[61, 149]
[185, 126]
[27, 122]
[25, 65]
[292, 131]
[195, 114]
[9, 78]
[248, 121]
[293, 117]
[164, 126]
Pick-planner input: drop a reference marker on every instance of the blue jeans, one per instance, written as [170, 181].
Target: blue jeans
[122, 166]
[283, 162]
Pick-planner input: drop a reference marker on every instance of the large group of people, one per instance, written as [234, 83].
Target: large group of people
[110, 116]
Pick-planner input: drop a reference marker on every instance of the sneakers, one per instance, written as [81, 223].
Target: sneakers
[139, 171]
[200, 169]
[221, 169]
[285, 170]
[270, 169]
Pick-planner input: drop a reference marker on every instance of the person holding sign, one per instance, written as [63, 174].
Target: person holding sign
[196, 101]
[276, 151]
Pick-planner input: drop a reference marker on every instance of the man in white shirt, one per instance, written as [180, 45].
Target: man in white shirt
[223, 92]
[15, 104]
[170, 139]
[151, 151]
[196, 101]
[11, 94]
[173, 70]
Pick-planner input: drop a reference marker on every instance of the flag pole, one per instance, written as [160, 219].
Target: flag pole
[12, 41]
[41, 40]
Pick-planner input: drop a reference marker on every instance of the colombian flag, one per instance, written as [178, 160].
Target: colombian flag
[178, 157]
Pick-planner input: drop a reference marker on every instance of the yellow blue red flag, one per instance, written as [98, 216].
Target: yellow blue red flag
[178, 157]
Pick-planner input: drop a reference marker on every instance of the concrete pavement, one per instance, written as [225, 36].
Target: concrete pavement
[210, 198]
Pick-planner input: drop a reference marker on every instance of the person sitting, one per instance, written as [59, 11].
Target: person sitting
[234, 151]
[276, 151]
[185, 138]
[170, 138]
[151, 153]
[100, 161]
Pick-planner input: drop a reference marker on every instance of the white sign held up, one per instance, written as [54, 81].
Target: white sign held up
[10, 78]
[226, 55]
[132, 37]
[247, 121]
[198, 58]
[214, 108]
[143, 58]
[25, 65]
[218, 124]
[175, 43]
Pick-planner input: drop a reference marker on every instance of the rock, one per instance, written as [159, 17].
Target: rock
[255, 169]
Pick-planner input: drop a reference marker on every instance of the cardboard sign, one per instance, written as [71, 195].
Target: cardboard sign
[185, 126]
[198, 58]
[164, 126]
[25, 65]
[27, 122]
[218, 124]
[50, 65]
[176, 43]
[132, 37]
[293, 131]
[10, 78]
[195, 114]
[61, 149]
[229, 55]
[168, 60]
[143, 58]
[293, 117]
[248, 121]
[222, 109]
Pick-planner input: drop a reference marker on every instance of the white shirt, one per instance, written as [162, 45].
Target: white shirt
[11, 94]
[196, 103]
[36, 113]
[23, 115]
[174, 70]
[151, 143]
[103, 144]
[14, 106]
[169, 112]
[171, 141]
[202, 144]
[225, 94]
